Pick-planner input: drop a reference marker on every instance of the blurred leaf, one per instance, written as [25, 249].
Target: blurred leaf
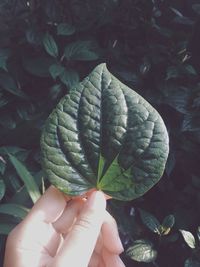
[196, 8]
[176, 11]
[189, 238]
[198, 232]
[3, 100]
[70, 78]
[183, 20]
[50, 45]
[4, 55]
[171, 162]
[21, 153]
[14, 210]
[150, 221]
[172, 72]
[7, 121]
[27, 178]
[38, 66]
[81, 50]
[2, 165]
[2, 189]
[189, 69]
[65, 29]
[191, 263]
[177, 97]
[191, 123]
[8, 83]
[142, 251]
[56, 70]
[5, 228]
[55, 91]
[167, 224]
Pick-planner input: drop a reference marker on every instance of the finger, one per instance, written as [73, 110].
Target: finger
[48, 208]
[99, 244]
[84, 234]
[68, 217]
[110, 235]
[35, 231]
[94, 261]
[111, 259]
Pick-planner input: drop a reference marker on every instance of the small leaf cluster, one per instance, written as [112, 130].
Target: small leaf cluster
[144, 250]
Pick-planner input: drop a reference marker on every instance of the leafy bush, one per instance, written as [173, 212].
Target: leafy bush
[152, 46]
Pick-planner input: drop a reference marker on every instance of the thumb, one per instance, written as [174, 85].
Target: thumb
[80, 242]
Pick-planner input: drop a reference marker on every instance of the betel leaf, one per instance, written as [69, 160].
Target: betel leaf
[150, 221]
[50, 45]
[142, 251]
[104, 135]
[189, 238]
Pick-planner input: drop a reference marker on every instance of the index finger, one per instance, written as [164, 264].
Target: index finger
[48, 208]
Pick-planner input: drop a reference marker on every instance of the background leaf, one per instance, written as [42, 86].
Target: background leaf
[150, 221]
[5, 228]
[65, 29]
[81, 50]
[2, 189]
[142, 251]
[27, 178]
[14, 210]
[50, 45]
[167, 224]
[189, 238]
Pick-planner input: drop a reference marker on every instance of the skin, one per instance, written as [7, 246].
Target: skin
[63, 232]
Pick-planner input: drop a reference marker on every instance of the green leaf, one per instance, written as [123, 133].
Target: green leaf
[189, 69]
[172, 72]
[56, 70]
[150, 221]
[2, 189]
[81, 50]
[50, 45]
[114, 176]
[4, 55]
[70, 78]
[101, 165]
[142, 251]
[5, 228]
[27, 178]
[102, 116]
[191, 263]
[196, 8]
[189, 238]
[38, 66]
[198, 232]
[2, 165]
[9, 84]
[65, 29]
[14, 210]
[167, 224]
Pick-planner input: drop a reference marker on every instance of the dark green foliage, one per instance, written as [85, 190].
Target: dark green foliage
[151, 46]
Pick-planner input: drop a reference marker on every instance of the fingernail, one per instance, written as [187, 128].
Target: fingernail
[97, 201]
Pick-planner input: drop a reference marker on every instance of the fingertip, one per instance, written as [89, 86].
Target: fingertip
[96, 201]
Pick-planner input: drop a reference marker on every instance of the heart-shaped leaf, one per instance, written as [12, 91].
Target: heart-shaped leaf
[104, 135]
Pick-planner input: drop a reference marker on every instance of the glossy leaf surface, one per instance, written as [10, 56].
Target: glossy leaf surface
[142, 251]
[104, 135]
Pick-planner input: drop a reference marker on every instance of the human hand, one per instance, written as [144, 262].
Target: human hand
[59, 232]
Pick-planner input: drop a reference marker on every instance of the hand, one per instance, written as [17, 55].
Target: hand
[60, 232]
